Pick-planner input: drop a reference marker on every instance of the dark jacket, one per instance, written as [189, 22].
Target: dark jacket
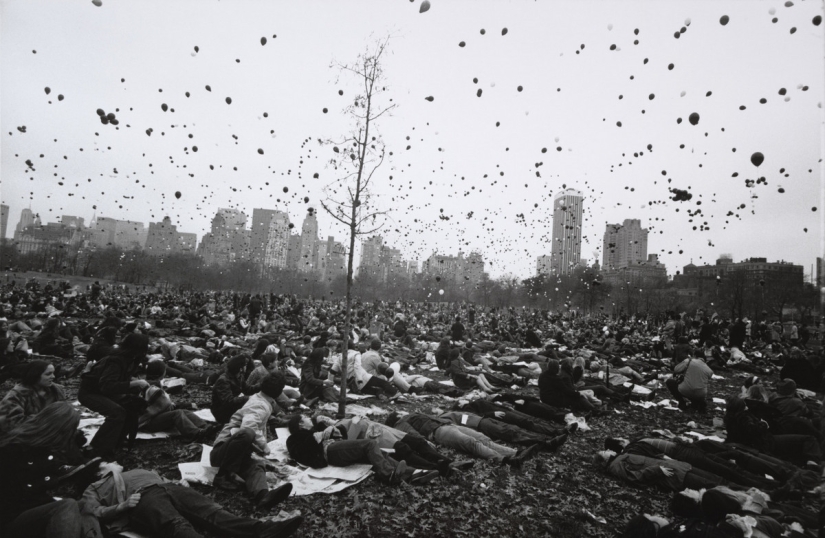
[310, 377]
[306, 450]
[26, 474]
[745, 428]
[227, 397]
[557, 389]
[110, 377]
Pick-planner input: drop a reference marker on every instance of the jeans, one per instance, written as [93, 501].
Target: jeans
[418, 453]
[471, 442]
[496, 429]
[170, 510]
[673, 387]
[186, 422]
[59, 519]
[517, 418]
[344, 453]
[235, 456]
[378, 385]
[109, 435]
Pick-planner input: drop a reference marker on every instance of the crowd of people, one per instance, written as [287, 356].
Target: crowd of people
[517, 382]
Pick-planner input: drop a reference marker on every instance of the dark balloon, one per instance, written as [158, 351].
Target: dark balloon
[694, 118]
[47, 90]
[177, 194]
[462, 44]
[187, 94]
[263, 41]
[100, 112]
[306, 199]
[60, 97]
[478, 93]
[286, 189]
[483, 31]
[195, 149]
[325, 110]
[757, 159]
[520, 88]
[724, 20]
[430, 98]
[197, 49]
[504, 31]
[208, 88]
[164, 107]
[425, 6]
[228, 100]
[110, 116]
[817, 20]
[260, 151]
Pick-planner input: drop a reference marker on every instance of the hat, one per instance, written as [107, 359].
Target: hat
[786, 387]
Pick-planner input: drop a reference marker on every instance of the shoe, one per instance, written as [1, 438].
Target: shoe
[401, 473]
[521, 456]
[68, 471]
[422, 476]
[553, 444]
[281, 529]
[464, 465]
[444, 469]
[312, 401]
[572, 427]
[273, 497]
[225, 483]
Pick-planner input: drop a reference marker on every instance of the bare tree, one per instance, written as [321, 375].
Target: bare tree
[359, 154]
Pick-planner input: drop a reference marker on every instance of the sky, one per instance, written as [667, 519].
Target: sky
[596, 112]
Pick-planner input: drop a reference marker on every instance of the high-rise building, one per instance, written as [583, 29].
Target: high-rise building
[276, 247]
[543, 265]
[565, 251]
[228, 241]
[293, 253]
[162, 238]
[26, 220]
[456, 268]
[187, 242]
[4, 221]
[624, 244]
[125, 234]
[309, 243]
[371, 251]
[259, 233]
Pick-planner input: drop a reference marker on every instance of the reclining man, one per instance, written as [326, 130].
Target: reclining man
[443, 432]
[144, 501]
[498, 430]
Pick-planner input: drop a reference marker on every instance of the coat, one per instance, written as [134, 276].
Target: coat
[253, 415]
[23, 401]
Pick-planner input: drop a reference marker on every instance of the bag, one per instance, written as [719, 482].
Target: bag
[681, 377]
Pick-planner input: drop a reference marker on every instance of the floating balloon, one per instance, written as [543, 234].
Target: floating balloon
[208, 88]
[724, 20]
[504, 31]
[260, 151]
[100, 112]
[47, 90]
[425, 6]
[430, 98]
[60, 97]
[757, 159]
[195, 149]
[817, 20]
[286, 189]
[263, 41]
[693, 118]
[228, 100]
[325, 110]
[462, 44]
[441, 292]
[483, 31]
[177, 194]
[520, 88]
[98, 3]
[164, 107]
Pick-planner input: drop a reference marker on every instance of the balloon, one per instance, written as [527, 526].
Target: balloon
[724, 20]
[164, 107]
[340, 92]
[325, 110]
[260, 151]
[817, 20]
[461, 44]
[228, 100]
[438, 279]
[208, 88]
[504, 31]
[197, 49]
[430, 98]
[98, 3]
[483, 31]
[100, 112]
[425, 6]
[478, 93]
[187, 94]
[520, 88]
[757, 159]
[694, 118]
[441, 292]
[286, 189]
[263, 41]
[110, 116]
[609, 26]
[177, 194]
[306, 199]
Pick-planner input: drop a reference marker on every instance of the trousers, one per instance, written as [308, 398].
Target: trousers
[235, 456]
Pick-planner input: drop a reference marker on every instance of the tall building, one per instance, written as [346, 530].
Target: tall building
[543, 265]
[4, 221]
[565, 251]
[624, 244]
[187, 242]
[125, 234]
[162, 238]
[371, 252]
[26, 220]
[259, 233]
[456, 268]
[293, 253]
[309, 243]
[276, 247]
[228, 240]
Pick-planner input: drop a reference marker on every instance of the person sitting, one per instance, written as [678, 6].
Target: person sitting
[358, 378]
[498, 430]
[50, 342]
[694, 386]
[329, 446]
[794, 416]
[556, 389]
[244, 434]
[108, 388]
[230, 392]
[459, 371]
[32, 463]
[142, 501]
[35, 391]
[443, 432]
[442, 354]
[315, 383]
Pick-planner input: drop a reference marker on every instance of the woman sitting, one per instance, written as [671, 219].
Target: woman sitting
[35, 391]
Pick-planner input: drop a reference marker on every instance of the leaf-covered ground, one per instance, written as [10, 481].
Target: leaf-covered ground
[555, 494]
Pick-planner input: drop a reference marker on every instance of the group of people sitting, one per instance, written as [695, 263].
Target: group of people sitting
[272, 362]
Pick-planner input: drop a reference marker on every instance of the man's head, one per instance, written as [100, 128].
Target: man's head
[298, 423]
[273, 385]
[375, 345]
[603, 457]
[392, 419]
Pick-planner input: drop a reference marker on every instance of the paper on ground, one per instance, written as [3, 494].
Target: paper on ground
[703, 437]
[351, 473]
[205, 414]
[356, 409]
[719, 401]
[277, 447]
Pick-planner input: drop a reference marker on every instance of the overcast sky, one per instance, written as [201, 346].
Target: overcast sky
[473, 157]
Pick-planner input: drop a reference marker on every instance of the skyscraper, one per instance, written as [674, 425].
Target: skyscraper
[4, 221]
[624, 244]
[228, 241]
[277, 240]
[26, 220]
[566, 248]
[309, 243]
[259, 232]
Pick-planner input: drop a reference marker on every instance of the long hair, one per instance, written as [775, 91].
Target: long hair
[54, 427]
[260, 348]
[32, 374]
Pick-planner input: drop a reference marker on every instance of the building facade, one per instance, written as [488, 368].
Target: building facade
[565, 250]
[624, 244]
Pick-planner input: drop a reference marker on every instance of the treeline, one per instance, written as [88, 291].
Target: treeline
[584, 291]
